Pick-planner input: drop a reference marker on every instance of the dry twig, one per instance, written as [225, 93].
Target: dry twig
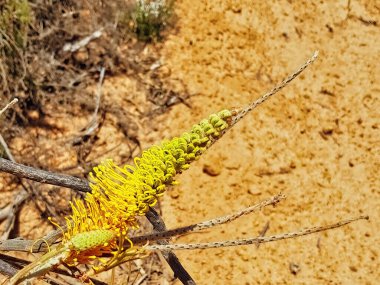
[255, 240]
[10, 104]
[8, 213]
[208, 224]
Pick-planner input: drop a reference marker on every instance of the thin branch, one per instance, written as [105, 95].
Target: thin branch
[7, 269]
[255, 240]
[263, 232]
[6, 149]
[43, 176]
[10, 104]
[9, 212]
[208, 224]
[93, 124]
[173, 261]
[94, 120]
[35, 246]
[241, 114]
[73, 47]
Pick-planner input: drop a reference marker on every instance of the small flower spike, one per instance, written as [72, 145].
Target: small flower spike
[100, 225]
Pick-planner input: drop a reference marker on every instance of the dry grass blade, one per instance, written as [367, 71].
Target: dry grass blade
[241, 114]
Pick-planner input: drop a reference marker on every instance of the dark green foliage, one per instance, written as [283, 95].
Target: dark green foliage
[151, 17]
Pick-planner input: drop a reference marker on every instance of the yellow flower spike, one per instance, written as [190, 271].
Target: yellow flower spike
[101, 223]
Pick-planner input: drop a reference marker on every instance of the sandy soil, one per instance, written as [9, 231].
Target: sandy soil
[317, 141]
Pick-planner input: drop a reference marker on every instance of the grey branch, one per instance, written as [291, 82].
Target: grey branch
[207, 224]
[23, 171]
[256, 240]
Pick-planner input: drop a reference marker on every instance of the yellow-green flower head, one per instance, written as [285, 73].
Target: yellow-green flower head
[120, 194]
[127, 191]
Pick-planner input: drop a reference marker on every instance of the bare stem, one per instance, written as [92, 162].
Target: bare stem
[43, 176]
[207, 224]
[256, 240]
[273, 91]
[10, 104]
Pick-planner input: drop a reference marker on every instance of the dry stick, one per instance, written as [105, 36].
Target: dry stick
[179, 271]
[40, 245]
[210, 223]
[82, 185]
[43, 176]
[256, 240]
[94, 120]
[7, 269]
[10, 104]
[6, 149]
[263, 232]
[242, 113]
[73, 47]
[9, 213]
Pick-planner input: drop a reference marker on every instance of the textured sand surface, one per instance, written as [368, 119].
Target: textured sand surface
[317, 141]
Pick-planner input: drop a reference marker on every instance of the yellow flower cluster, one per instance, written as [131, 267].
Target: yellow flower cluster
[120, 194]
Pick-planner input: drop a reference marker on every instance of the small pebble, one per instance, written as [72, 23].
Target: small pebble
[212, 169]
[294, 268]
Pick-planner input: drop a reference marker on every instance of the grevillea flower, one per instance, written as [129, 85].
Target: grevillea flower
[120, 194]
[99, 225]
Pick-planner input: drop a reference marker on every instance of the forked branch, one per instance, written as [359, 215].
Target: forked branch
[208, 224]
[256, 240]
